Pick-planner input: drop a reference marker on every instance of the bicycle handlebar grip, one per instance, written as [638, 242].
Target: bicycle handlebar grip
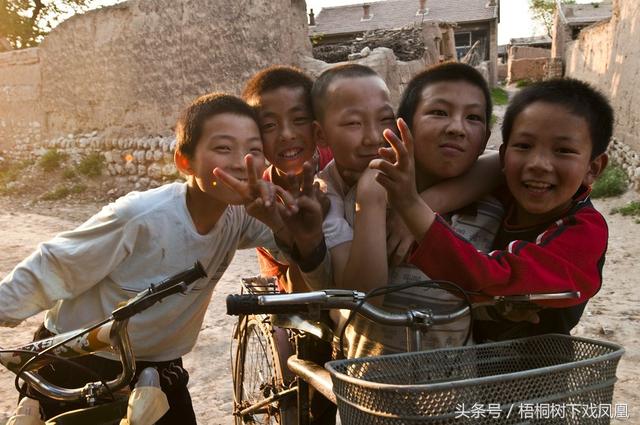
[248, 304]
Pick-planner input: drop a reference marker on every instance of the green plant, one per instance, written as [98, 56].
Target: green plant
[523, 83]
[493, 120]
[91, 165]
[316, 39]
[612, 182]
[51, 160]
[631, 209]
[69, 173]
[499, 96]
[61, 192]
[10, 172]
[57, 193]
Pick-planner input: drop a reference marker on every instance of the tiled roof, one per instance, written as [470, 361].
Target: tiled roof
[392, 14]
[577, 14]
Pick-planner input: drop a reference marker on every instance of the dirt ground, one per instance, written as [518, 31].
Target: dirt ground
[613, 315]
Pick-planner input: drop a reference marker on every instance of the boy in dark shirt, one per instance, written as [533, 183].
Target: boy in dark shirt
[552, 240]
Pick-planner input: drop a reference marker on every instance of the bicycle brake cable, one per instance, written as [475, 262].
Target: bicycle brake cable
[47, 353]
[384, 290]
[23, 390]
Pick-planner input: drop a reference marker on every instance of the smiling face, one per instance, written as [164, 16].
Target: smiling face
[546, 160]
[357, 111]
[286, 125]
[449, 130]
[226, 139]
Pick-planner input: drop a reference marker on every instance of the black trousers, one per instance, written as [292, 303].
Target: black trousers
[173, 381]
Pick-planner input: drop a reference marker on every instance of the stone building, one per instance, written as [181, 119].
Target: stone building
[476, 21]
[607, 55]
[570, 19]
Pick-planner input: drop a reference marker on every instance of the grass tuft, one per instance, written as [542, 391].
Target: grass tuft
[69, 173]
[631, 209]
[61, 192]
[51, 160]
[523, 83]
[612, 182]
[91, 165]
[499, 96]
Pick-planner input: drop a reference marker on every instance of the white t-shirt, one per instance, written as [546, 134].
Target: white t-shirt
[140, 239]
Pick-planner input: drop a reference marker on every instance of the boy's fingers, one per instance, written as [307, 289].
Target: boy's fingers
[310, 205]
[387, 153]
[235, 184]
[264, 192]
[252, 174]
[407, 137]
[292, 183]
[287, 199]
[398, 147]
[384, 167]
[307, 179]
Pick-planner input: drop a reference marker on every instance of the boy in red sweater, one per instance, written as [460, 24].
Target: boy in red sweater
[552, 240]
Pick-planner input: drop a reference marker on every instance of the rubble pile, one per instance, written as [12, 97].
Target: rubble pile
[407, 44]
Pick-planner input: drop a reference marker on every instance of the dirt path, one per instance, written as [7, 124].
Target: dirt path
[614, 314]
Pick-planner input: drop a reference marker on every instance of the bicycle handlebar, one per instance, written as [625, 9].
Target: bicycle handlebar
[112, 333]
[345, 299]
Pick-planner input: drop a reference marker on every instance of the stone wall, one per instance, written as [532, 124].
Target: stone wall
[115, 79]
[524, 52]
[608, 56]
[20, 115]
[533, 69]
[130, 68]
[526, 69]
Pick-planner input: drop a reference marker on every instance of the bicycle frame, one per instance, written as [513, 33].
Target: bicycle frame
[112, 335]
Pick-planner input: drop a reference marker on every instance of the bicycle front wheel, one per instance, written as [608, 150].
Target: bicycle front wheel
[260, 360]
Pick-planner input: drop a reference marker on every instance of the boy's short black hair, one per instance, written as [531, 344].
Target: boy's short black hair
[322, 83]
[444, 72]
[192, 119]
[578, 97]
[275, 77]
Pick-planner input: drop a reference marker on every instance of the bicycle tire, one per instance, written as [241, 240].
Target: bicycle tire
[258, 373]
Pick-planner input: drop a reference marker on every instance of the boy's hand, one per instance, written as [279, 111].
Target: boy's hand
[397, 169]
[263, 200]
[305, 224]
[398, 176]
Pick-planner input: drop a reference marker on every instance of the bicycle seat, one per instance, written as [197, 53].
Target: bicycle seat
[302, 323]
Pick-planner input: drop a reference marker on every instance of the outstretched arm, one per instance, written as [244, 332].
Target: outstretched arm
[567, 256]
[444, 197]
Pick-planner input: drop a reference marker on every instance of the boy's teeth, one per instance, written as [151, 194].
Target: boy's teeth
[537, 185]
[290, 153]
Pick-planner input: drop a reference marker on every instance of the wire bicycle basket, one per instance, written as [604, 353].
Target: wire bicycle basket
[260, 285]
[541, 379]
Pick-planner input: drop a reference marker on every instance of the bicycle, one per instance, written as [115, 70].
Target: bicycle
[107, 404]
[429, 386]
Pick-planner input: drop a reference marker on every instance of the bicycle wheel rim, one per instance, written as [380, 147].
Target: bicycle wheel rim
[257, 372]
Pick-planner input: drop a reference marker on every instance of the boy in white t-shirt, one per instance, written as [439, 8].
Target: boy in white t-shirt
[81, 276]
